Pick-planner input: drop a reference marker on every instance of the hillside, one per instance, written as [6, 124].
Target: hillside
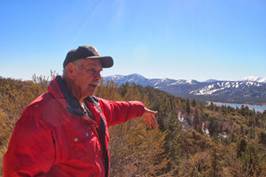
[194, 139]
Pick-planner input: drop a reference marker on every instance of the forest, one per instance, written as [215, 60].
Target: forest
[194, 139]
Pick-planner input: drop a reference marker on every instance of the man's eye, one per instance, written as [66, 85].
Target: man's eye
[92, 71]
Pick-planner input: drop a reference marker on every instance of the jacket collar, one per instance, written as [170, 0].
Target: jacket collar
[59, 90]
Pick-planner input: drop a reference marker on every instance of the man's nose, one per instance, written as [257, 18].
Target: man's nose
[98, 76]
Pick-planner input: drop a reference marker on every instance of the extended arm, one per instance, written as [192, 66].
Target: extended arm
[120, 111]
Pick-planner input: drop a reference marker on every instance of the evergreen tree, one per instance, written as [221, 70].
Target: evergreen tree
[213, 127]
[241, 147]
[194, 103]
[196, 121]
[251, 164]
[215, 166]
[188, 109]
[262, 138]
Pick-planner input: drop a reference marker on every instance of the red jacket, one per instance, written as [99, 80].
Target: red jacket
[55, 138]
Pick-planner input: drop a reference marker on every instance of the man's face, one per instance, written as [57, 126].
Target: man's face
[86, 76]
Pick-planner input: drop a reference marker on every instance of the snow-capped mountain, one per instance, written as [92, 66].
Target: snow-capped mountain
[132, 78]
[255, 79]
[249, 90]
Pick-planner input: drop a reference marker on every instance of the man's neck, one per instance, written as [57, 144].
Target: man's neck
[74, 90]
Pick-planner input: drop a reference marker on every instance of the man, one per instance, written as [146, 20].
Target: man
[64, 132]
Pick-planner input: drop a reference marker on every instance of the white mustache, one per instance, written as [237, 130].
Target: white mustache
[95, 84]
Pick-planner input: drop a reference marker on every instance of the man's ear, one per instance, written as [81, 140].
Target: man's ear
[71, 70]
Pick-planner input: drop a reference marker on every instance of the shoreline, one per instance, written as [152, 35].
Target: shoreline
[256, 107]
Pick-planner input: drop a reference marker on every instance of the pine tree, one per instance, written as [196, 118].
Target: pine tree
[188, 109]
[196, 121]
[241, 148]
[194, 103]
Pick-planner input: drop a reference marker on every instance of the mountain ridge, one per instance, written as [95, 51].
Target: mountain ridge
[249, 90]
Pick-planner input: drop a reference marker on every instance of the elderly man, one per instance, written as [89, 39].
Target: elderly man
[64, 132]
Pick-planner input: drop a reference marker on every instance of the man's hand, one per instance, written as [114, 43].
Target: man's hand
[149, 117]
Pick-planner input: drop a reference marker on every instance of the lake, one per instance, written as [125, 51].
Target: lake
[257, 108]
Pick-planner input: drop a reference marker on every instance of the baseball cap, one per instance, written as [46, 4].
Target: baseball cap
[88, 52]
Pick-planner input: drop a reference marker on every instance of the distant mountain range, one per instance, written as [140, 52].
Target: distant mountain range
[251, 90]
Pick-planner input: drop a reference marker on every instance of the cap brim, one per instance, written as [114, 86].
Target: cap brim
[106, 61]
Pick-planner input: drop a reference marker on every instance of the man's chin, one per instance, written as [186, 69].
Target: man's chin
[91, 91]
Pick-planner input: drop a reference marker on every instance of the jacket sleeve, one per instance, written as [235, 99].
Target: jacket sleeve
[31, 151]
[117, 112]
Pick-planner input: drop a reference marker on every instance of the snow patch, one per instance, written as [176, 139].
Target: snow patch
[255, 79]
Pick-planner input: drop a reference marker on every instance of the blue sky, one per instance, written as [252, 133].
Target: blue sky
[179, 39]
